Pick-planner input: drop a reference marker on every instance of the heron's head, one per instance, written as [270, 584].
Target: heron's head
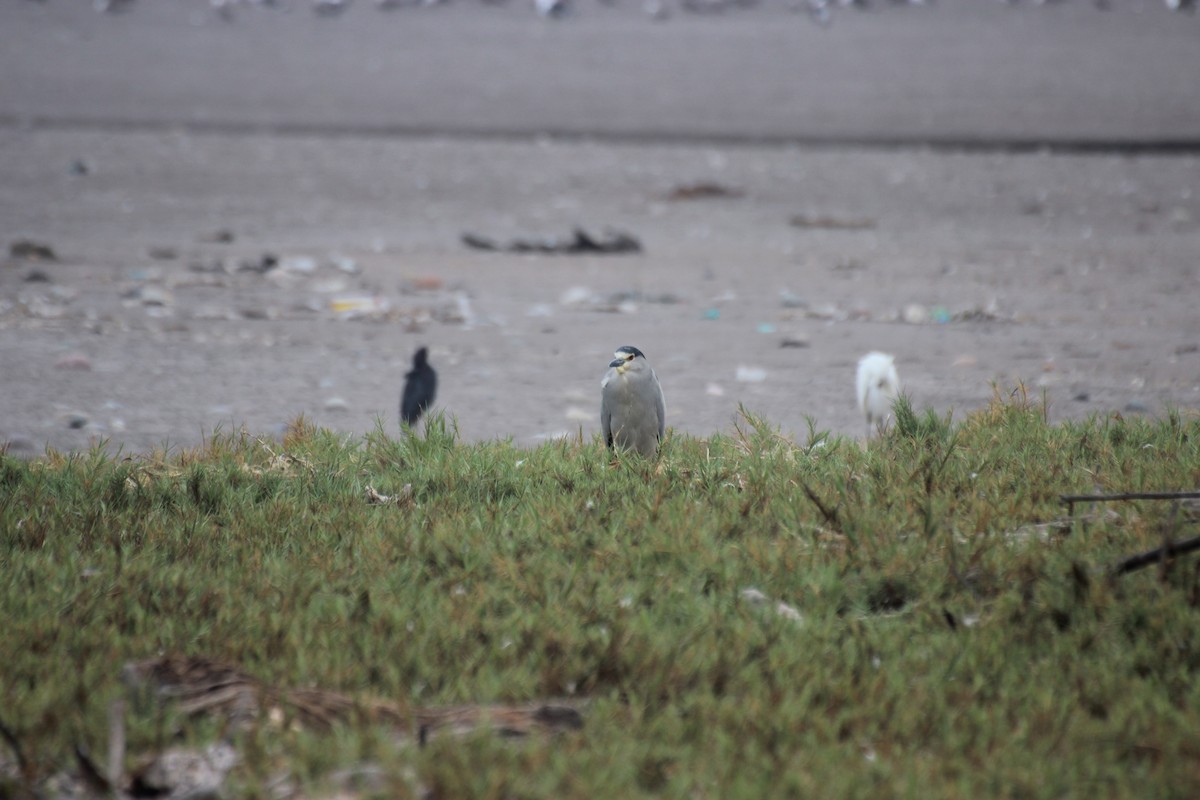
[624, 357]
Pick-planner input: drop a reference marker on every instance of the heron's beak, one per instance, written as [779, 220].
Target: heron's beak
[618, 364]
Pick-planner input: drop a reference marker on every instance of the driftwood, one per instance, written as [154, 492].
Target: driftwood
[194, 685]
[200, 686]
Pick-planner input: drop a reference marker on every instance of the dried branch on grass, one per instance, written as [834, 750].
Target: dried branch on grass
[1156, 556]
[830, 514]
[197, 685]
[1071, 499]
[508, 721]
[1170, 548]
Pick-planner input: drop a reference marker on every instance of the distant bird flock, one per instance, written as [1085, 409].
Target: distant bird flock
[633, 411]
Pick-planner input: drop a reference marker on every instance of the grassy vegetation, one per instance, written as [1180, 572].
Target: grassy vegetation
[952, 643]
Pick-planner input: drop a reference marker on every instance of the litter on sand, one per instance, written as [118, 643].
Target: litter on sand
[580, 242]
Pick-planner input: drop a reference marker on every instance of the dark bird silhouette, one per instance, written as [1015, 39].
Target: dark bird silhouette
[420, 388]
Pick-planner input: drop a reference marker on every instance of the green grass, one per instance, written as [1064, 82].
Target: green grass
[952, 644]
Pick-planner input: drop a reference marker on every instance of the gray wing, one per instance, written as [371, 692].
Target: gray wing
[605, 413]
[660, 405]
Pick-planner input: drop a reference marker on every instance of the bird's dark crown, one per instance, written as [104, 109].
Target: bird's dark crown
[633, 351]
[421, 356]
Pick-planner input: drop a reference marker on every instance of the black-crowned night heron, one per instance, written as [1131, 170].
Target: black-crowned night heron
[878, 385]
[632, 411]
[420, 388]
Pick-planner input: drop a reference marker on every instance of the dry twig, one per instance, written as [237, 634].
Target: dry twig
[830, 514]
[1071, 499]
[1157, 555]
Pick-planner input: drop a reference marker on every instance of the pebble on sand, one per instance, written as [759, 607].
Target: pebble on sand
[751, 374]
[427, 283]
[77, 361]
[915, 314]
[151, 296]
[576, 296]
[299, 265]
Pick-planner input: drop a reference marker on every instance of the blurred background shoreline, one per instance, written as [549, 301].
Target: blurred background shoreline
[959, 72]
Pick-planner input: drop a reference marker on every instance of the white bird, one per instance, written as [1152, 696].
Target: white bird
[878, 386]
